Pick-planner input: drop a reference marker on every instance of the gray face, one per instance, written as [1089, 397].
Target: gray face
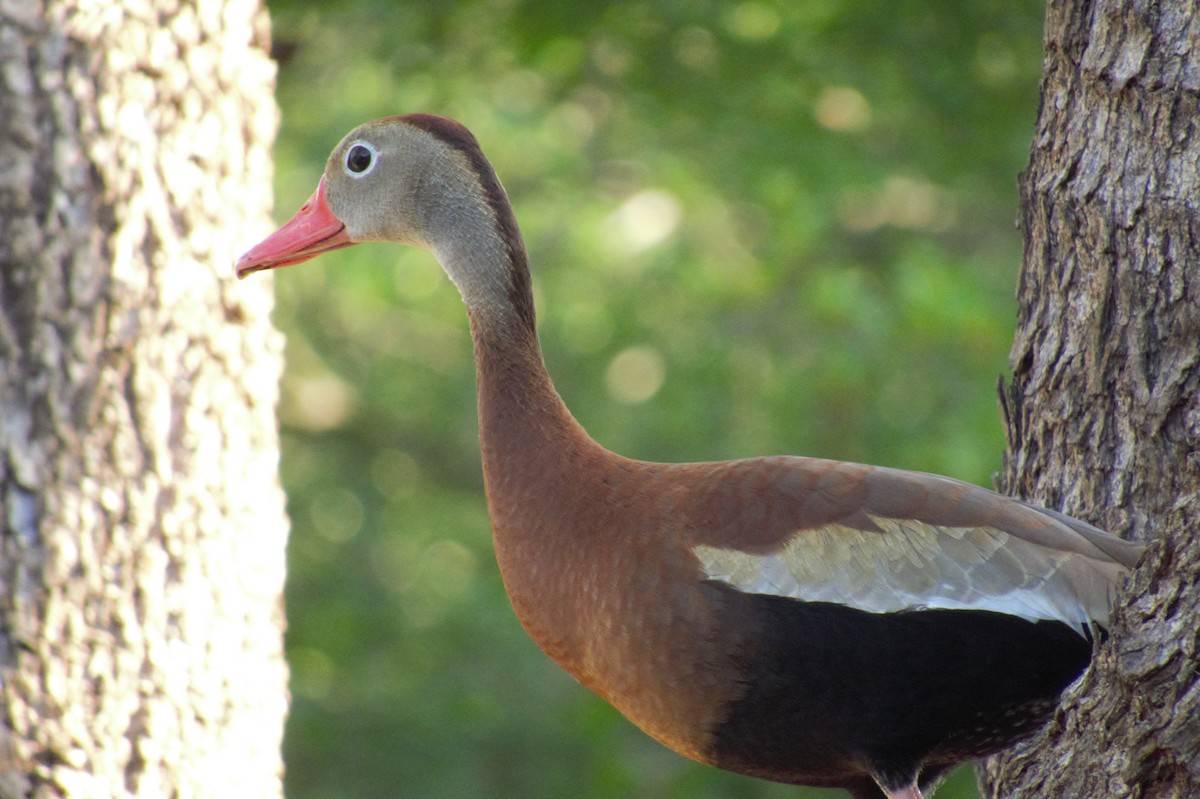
[392, 181]
[371, 179]
[389, 181]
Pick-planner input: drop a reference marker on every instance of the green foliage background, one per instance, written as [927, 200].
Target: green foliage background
[756, 227]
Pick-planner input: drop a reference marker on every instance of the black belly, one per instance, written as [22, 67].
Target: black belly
[831, 694]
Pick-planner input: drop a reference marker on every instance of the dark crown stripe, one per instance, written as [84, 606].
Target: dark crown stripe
[454, 135]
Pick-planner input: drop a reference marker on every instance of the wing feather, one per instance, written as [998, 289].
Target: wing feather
[886, 540]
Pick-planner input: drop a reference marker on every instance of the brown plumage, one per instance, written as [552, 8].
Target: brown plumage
[800, 620]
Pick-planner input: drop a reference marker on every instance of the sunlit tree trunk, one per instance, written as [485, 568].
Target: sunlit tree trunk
[143, 527]
[1104, 410]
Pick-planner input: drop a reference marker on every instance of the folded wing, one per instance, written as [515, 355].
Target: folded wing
[886, 540]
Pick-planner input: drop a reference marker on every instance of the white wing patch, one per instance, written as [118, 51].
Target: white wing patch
[910, 565]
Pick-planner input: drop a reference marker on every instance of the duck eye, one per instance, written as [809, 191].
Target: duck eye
[360, 158]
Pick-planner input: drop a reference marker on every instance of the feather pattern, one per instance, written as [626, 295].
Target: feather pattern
[913, 565]
[884, 540]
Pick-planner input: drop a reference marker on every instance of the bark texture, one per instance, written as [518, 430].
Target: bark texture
[1103, 413]
[142, 555]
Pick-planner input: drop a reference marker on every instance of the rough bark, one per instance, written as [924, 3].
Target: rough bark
[1103, 413]
[142, 553]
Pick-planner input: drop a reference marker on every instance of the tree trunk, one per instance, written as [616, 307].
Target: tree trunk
[142, 555]
[1103, 413]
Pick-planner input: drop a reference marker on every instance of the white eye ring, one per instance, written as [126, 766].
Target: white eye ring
[353, 163]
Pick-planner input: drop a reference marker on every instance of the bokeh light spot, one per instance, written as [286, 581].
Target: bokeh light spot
[635, 375]
[843, 109]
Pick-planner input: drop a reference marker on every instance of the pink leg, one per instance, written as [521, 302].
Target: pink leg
[911, 792]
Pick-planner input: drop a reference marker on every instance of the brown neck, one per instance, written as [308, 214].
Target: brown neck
[519, 409]
[567, 517]
[528, 437]
[538, 468]
[535, 455]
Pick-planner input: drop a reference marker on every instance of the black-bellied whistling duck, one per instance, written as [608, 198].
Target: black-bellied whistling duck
[801, 620]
